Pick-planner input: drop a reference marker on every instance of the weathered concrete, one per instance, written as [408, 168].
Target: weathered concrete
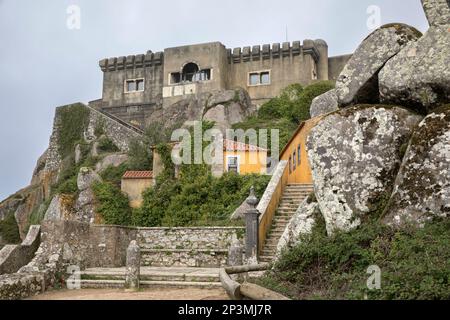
[355, 155]
[422, 188]
[358, 82]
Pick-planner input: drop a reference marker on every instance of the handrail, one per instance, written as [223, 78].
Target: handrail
[118, 120]
[237, 291]
[270, 201]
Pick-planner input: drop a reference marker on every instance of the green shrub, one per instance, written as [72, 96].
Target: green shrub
[74, 120]
[107, 145]
[281, 106]
[114, 174]
[415, 264]
[9, 230]
[112, 204]
[301, 108]
[196, 199]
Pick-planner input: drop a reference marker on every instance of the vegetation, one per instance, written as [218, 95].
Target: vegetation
[112, 204]
[74, 119]
[9, 230]
[140, 155]
[196, 198]
[286, 111]
[415, 264]
[107, 145]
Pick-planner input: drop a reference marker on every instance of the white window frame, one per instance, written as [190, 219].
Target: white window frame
[238, 158]
[125, 85]
[259, 73]
[170, 83]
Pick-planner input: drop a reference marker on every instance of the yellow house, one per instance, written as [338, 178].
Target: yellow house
[295, 153]
[243, 158]
[134, 183]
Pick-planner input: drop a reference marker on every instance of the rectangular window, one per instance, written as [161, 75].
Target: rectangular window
[134, 85]
[259, 78]
[233, 164]
[294, 161]
[175, 78]
[254, 79]
[290, 164]
[299, 154]
[265, 78]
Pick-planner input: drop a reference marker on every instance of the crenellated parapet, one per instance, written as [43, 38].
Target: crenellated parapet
[276, 51]
[149, 59]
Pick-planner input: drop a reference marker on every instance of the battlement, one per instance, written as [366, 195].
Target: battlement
[133, 61]
[276, 51]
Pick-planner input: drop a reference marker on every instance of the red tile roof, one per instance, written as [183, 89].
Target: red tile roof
[138, 175]
[230, 145]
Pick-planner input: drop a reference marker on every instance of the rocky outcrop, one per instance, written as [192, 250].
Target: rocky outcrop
[85, 206]
[223, 107]
[113, 160]
[60, 208]
[87, 177]
[419, 76]
[437, 11]
[325, 103]
[355, 155]
[422, 188]
[300, 225]
[358, 82]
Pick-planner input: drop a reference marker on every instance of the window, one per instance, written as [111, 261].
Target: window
[294, 161]
[190, 73]
[299, 155]
[134, 85]
[233, 164]
[254, 79]
[290, 164]
[259, 78]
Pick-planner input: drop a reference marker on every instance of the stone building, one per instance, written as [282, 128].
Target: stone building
[139, 88]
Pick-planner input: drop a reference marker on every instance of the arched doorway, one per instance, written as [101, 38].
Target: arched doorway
[189, 71]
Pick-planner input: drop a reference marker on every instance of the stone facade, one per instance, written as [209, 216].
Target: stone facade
[138, 89]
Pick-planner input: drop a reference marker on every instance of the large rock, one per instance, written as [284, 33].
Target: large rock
[60, 208]
[85, 207]
[358, 82]
[419, 76]
[437, 11]
[223, 107]
[325, 103]
[355, 155]
[422, 188]
[113, 160]
[301, 224]
[86, 178]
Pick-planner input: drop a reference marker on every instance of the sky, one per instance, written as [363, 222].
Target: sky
[48, 59]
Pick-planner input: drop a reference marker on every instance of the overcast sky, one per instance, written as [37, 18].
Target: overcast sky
[44, 64]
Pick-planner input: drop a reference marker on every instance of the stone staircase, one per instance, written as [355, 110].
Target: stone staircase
[152, 277]
[293, 196]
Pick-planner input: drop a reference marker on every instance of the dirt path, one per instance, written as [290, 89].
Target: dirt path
[148, 294]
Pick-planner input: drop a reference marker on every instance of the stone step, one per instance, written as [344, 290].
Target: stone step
[155, 274]
[268, 259]
[118, 284]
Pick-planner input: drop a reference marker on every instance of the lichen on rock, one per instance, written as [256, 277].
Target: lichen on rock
[422, 188]
[355, 156]
[358, 82]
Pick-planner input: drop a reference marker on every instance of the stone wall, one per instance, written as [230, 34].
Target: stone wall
[13, 257]
[120, 133]
[187, 247]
